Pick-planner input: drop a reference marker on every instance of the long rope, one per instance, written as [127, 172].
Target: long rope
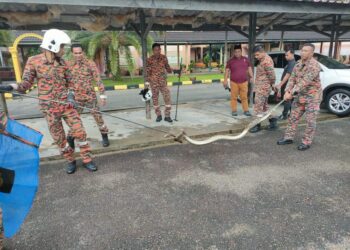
[167, 134]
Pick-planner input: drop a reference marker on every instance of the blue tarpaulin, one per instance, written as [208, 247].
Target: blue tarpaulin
[19, 166]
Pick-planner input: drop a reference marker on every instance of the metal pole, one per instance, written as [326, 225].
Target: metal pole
[252, 40]
[143, 41]
[178, 56]
[281, 41]
[225, 50]
[210, 51]
[336, 40]
[143, 37]
[165, 44]
[330, 52]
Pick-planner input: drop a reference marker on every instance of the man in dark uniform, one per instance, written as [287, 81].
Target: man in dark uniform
[288, 69]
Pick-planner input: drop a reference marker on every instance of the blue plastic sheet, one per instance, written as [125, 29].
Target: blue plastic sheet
[22, 160]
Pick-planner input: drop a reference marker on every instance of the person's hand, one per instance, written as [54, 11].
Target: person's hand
[276, 88]
[225, 85]
[287, 96]
[279, 94]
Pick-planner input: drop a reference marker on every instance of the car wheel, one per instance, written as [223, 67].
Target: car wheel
[338, 102]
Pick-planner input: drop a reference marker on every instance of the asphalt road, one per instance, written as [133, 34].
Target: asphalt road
[246, 194]
[125, 99]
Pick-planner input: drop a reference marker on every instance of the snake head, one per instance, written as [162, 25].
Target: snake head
[180, 137]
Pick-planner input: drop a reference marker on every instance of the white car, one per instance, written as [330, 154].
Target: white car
[335, 80]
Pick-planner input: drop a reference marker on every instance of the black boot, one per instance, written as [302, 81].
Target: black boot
[71, 167]
[284, 141]
[90, 166]
[303, 147]
[105, 141]
[255, 129]
[168, 119]
[159, 118]
[273, 124]
[70, 140]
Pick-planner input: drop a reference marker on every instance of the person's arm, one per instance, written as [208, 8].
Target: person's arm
[97, 78]
[270, 72]
[290, 86]
[29, 75]
[99, 83]
[251, 74]
[227, 73]
[284, 80]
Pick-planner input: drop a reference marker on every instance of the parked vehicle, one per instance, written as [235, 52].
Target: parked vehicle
[335, 80]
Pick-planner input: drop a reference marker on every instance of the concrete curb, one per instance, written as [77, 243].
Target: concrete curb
[135, 86]
[115, 148]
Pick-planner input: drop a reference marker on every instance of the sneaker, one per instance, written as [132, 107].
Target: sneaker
[247, 113]
[234, 113]
[168, 119]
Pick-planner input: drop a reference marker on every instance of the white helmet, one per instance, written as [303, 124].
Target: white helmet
[53, 39]
[146, 95]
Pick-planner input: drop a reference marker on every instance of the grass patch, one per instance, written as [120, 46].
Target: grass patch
[172, 78]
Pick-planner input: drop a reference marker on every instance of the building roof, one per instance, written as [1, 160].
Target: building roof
[218, 37]
[180, 15]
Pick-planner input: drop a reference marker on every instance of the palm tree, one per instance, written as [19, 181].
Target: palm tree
[6, 38]
[115, 43]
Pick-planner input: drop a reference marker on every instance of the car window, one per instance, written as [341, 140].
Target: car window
[277, 60]
[330, 62]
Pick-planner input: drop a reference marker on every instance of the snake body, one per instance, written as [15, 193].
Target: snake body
[232, 137]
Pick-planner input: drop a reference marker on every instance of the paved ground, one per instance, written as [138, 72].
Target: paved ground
[247, 194]
[125, 99]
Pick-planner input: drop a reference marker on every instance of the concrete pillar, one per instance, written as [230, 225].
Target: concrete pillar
[221, 59]
[252, 41]
[202, 53]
